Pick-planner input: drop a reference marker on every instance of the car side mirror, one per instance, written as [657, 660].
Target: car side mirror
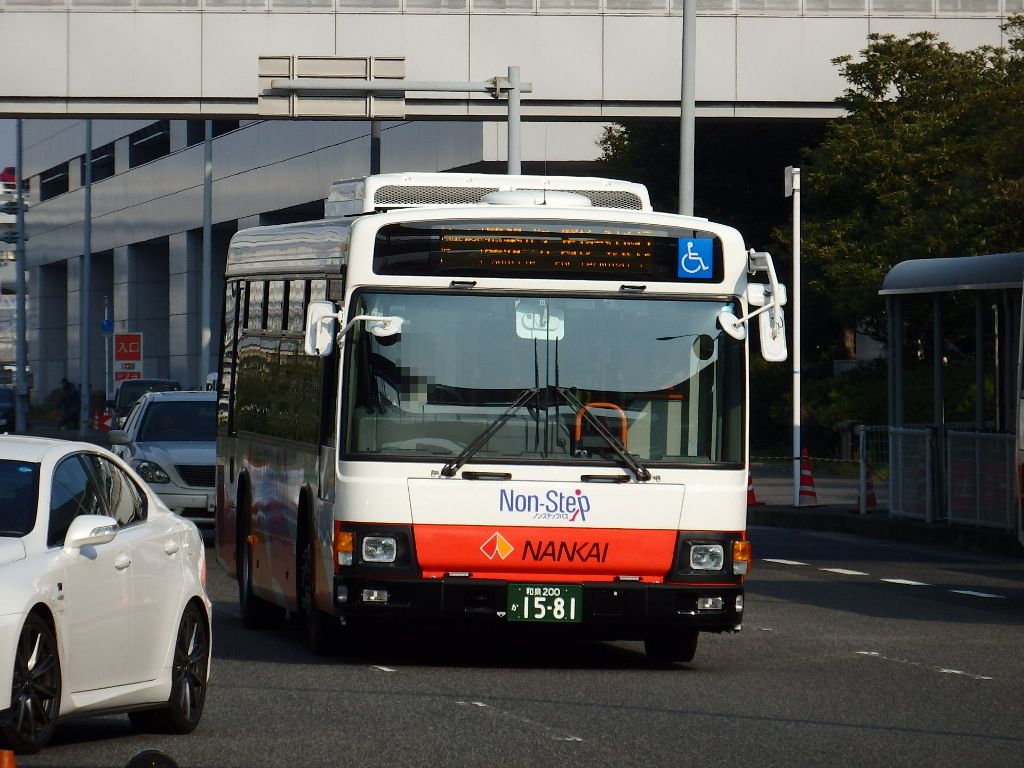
[118, 437]
[90, 530]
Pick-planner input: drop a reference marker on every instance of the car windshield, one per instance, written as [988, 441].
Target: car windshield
[19, 489]
[525, 378]
[179, 420]
[130, 391]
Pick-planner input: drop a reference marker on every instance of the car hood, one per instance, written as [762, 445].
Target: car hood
[178, 452]
[11, 550]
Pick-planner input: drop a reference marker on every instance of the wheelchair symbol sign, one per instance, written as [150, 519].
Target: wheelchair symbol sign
[696, 260]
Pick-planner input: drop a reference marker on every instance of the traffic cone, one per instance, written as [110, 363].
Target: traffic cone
[6, 758]
[751, 497]
[807, 479]
[869, 491]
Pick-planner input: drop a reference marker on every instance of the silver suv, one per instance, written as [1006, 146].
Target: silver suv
[170, 439]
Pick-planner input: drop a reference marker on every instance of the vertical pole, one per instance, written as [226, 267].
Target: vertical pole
[108, 385]
[938, 405]
[85, 297]
[687, 107]
[863, 480]
[979, 363]
[205, 319]
[20, 347]
[375, 133]
[997, 390]
[514, 120]
[793, 190]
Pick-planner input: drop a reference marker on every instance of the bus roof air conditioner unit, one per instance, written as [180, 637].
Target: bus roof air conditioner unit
[388, 191]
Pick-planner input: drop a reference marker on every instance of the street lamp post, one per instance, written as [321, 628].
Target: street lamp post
[793, 190]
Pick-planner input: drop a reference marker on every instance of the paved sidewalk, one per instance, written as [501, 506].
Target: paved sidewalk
[837, 509]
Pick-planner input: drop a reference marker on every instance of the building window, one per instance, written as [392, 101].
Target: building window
[53, 182]
[149, 143]
[196, 130]
[102, 163]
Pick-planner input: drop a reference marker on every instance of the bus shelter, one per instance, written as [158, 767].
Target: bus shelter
[956, 471]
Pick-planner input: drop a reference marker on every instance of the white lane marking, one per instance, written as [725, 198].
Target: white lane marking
[909, 663]
[906, 582]
[843, 571]
[972, 593]
[777, 561]
[382, 669]
[552, 733]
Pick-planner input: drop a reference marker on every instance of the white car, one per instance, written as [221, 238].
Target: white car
[170, 439]
[103, 606]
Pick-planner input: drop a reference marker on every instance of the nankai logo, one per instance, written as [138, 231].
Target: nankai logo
[553, 505]
[497, 546]
[564, 551]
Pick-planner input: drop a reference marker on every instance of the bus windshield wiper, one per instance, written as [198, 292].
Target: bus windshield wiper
[642, 473]
[480, 440]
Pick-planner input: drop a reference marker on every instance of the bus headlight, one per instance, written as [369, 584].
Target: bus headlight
[707, 557]
[379, 549]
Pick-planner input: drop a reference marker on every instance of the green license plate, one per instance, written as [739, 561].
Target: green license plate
[558, 603]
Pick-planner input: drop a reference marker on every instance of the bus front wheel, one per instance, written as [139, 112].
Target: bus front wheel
[322, 630]
[671, 645]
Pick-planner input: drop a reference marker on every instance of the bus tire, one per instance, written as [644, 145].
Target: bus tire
[256, 613]
[321, 630]
[671, 645]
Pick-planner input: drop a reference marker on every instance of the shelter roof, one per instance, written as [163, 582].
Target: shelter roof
[991, 271]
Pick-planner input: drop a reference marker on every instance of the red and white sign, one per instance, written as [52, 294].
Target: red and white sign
[127, 356]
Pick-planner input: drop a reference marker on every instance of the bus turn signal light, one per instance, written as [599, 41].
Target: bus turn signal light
[344, 543]
[741, 557]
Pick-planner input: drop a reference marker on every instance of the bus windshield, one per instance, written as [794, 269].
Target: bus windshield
[538, 371]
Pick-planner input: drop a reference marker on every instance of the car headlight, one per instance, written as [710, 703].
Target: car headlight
[150, 471]
[379, 549]
[707, 557]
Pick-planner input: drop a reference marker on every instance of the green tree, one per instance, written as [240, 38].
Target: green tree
[928, 162]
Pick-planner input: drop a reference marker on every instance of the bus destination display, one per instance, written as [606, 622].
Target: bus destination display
[565, 250]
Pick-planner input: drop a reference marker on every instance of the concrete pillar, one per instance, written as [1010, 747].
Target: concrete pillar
[48, 328]
[141, 301]
[184, 294]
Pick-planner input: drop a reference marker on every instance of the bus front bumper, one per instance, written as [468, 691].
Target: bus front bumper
[613, 609]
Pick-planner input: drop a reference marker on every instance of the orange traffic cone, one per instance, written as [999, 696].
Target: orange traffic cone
[751, 497]
[6, 759]
[807, 479]
[872, 500]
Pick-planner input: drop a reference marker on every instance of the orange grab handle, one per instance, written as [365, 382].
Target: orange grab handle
[623, 422]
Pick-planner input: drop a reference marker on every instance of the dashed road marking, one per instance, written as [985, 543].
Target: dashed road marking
[902, 582]
[909, 663]
[552, 733]
[972, 593]
[381, 668]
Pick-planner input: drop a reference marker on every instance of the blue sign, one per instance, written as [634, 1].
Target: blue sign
[696, 258]
[106, 326]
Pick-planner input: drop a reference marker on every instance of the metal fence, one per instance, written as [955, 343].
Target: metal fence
[979, 479]
[974, 485]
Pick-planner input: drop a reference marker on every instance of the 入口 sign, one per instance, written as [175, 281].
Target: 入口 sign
[127, 356]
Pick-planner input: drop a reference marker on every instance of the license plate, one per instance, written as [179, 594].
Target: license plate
[558, 603]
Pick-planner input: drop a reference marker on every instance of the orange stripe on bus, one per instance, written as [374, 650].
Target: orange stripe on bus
[504, 552]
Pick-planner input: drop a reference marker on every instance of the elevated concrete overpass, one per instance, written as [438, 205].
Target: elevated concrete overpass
[587, 59]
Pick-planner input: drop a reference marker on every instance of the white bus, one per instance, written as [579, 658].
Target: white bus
[500, 399]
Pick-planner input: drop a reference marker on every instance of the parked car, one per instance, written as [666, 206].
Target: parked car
[7, 405]
[104, 605]
[130, 390]
[170, 439]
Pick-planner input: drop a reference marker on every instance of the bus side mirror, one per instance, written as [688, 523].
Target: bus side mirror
[321, 324]
[771, 324]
